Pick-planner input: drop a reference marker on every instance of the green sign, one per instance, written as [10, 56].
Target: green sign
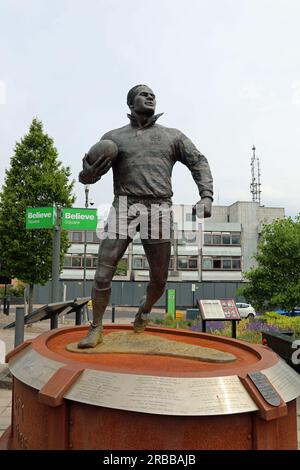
[79, 219]
[41, 217]
[171, 302]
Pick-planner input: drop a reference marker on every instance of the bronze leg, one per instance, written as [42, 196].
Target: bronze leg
[110, 252]
[158, 256]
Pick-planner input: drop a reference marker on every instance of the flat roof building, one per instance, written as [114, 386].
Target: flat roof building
[221, 249]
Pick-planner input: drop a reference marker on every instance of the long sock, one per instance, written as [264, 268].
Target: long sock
[100, 299]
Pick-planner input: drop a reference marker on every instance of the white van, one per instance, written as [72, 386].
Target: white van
[245, 310]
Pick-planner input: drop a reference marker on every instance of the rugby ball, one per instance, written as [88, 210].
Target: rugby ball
[102, 149]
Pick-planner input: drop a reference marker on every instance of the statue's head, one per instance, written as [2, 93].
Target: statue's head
[141, 100]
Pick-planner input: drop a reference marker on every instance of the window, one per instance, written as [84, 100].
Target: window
[67, 261]
[182, 262]
[207, 263]
[140, 262]
[76, 261]
[77, 236]
[88, 261]
[236, 239]
[216, 239]
[236, 263]
[220, 262]
[90, 237]
[226, 263]
[207, 239]
[185, 262]
[193, 263]
[222, 238]
[226, 239]
[137, 262]
[216, 264]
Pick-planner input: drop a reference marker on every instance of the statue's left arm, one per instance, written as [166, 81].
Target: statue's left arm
[198, 165]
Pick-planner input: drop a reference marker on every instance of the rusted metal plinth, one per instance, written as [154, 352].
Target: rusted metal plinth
[64, 400]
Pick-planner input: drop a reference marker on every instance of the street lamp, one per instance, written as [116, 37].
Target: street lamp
[86, 190]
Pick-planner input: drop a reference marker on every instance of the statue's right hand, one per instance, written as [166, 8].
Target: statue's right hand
[91, 173]
[98, 161]
[99, 167]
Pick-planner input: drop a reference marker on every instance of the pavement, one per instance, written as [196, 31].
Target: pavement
[122, 316]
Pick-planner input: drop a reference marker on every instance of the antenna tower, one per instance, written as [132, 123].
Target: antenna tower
[255, 186]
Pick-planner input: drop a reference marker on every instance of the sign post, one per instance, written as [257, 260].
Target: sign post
[55, 266]
[171, 302]
[193, 291]
[59, 219]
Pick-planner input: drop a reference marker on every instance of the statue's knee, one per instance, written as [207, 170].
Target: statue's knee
[103, 276]
[102, 281]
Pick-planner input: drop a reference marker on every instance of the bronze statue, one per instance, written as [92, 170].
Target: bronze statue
[142, 167]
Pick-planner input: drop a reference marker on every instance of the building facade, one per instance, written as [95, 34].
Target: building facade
[219, 250]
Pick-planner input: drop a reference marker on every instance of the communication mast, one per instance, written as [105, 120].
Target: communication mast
[255, 186]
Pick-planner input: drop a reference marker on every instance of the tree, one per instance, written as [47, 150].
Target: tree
[35, 179]
[275, 282]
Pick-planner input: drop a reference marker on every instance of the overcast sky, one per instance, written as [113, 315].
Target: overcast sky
[225, 72]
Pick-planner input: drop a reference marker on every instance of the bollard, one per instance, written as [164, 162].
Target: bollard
[2, 352]
[113, 311]
[233, 328]
[54, 322]
[6, 305]
[19, 326]
[78, 316]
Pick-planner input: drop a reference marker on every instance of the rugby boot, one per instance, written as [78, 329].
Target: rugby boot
[141, 319]
[99, 300]
[93, 337]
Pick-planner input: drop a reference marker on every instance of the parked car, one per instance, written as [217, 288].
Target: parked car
[245, 310]
[294, 313]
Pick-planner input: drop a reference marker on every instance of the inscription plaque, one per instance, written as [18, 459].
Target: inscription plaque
[265, 388]
[32, 368]
[285, 380]
[162, 395]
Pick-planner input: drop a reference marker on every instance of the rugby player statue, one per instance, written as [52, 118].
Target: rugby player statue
[142, 155]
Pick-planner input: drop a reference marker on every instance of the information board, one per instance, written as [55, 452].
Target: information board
[224, 309]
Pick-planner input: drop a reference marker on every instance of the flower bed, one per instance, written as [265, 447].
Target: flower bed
[247, 330]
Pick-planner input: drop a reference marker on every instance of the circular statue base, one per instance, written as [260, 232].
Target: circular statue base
[158, 390]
